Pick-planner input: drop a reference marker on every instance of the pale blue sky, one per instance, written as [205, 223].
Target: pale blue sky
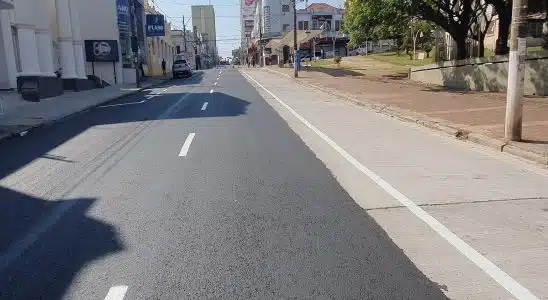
[227, 19]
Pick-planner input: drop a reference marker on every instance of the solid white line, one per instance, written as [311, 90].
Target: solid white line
[503, 279]
[186, 145]
[122, 104]
[211, 92]
[204, 106]
[117, 292]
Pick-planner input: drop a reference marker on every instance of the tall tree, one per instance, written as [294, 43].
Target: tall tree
[456, 17]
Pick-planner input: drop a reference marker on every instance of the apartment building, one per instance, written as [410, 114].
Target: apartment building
[203, 24]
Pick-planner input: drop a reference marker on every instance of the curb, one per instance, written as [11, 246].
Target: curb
[24, 130]
[438, 125]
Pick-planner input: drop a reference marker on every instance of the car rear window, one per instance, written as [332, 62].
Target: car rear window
[181, 61]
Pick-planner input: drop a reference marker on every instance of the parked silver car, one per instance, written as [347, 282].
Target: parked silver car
[181, 68]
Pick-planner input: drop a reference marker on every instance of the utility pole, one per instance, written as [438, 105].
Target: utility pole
[135, 44]
[184, 35]
[516, 71]
[261, 54]
[295, 38]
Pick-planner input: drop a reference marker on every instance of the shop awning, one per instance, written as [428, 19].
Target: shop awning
[303, 36]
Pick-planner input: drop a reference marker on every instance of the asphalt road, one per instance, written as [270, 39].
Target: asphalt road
[162, 196]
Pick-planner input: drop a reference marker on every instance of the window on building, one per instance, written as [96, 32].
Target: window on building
[305, 27]
[178, 49]
[285, 8]
[286, 28]
[337, 25]
[15, 38]
[301, 26]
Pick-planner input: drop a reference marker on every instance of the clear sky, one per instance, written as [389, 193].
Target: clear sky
[227, 21]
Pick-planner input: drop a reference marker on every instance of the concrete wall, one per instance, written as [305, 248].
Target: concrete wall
[484, 74]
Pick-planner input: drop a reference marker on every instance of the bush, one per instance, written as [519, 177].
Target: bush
[428, 47]
[337, 60]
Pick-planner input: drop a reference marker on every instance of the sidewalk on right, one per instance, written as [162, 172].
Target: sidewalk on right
[495, 203]
[476, 116]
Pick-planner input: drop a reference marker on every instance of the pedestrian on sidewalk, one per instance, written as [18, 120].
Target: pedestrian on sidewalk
[142, 69]
[164, 67]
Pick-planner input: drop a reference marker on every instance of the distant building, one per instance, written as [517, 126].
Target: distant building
[203, 23]
[189, 51]
[274, 19]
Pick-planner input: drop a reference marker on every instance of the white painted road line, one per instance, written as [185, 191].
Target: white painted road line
[117, 292]
[122, 104]
[204, 106]
[215, 83]
[211, 92]
[151, 96]
[503, 279]
[186, 145]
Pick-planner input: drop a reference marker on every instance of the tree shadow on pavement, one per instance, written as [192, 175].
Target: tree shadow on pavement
[337, 72]
[69, 240]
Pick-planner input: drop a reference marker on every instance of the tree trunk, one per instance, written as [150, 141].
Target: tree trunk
[505, 18]
[481, 43]
[460, 41]
[545, 27]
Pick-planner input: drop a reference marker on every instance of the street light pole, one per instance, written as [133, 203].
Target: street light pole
[295, 38]
[516, 71]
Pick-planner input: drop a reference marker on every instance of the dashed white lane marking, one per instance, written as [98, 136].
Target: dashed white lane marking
[211, 92]
[117, 292]
[186, 145]
[152, 96]
[204, 106]
[123, 104]
[503, 279]
[215, 84]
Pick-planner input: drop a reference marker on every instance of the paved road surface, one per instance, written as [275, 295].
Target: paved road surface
[121, 200]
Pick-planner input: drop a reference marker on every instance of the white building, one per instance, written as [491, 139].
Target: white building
[39, 38]
[275, 19]
[189, 50]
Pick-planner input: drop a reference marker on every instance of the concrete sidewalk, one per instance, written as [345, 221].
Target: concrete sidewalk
[17, 115]
[476, 116]
[398, 172]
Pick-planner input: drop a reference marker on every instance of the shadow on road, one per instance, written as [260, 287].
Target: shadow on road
[66, 245]
[73, 240]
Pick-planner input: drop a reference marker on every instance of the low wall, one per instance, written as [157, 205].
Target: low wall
[484, 74]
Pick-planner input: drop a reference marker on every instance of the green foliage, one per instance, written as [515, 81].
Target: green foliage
[376, 19]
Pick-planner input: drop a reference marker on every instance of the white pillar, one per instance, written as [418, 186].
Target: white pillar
[45, 52]
[65, 38]
[9, 49]
[28, 51]
[78, 44]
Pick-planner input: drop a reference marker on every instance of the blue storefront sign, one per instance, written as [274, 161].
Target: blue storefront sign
[122, 7]
[155, 25]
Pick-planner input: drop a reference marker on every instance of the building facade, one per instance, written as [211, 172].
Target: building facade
[160, 48]
[273, 19]
[188, 51]
[45, 42]
[203, 25]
